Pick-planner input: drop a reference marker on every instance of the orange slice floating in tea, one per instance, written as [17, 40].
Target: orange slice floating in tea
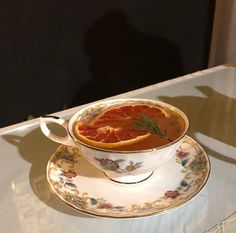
[129, 112]
[113, 128]
[108, 137]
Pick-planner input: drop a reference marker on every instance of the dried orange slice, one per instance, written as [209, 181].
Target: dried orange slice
[113, 128]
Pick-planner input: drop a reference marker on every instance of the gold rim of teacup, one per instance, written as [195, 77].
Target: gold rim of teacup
[173, 108]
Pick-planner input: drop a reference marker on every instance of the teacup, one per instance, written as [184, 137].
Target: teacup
[122, 165]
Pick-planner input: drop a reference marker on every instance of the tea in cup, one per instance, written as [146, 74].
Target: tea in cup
[127, 139]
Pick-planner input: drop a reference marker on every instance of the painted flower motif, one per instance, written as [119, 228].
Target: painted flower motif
[105, 206]
[109, 164]
[78, 201]
[184, 183]
[66, 156]
[69, 174]
[180, 153]
[133, 166]
[197, 165]
[172, 194]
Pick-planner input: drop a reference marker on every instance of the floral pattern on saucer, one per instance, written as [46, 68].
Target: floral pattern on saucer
[89, 191]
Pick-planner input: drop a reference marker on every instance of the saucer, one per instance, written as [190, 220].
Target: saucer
[85, 188]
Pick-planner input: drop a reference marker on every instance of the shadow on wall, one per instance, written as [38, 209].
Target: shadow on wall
[213, 115]
[44, 55]
[123, 59]
[40, 58]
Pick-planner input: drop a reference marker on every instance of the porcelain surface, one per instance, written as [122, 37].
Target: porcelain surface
[85, 188]
[118, 165]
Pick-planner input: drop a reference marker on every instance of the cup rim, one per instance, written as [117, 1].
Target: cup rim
[172, 107]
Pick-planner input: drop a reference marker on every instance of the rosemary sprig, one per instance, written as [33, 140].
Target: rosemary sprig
[146, 124]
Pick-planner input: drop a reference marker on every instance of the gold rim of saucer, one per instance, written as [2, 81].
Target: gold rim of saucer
[97, 196]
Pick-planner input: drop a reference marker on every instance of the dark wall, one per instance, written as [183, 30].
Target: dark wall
[64, 53]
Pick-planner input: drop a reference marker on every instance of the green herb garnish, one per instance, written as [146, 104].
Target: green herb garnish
[146, 124]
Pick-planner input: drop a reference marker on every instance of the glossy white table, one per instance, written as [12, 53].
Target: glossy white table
[209, 100]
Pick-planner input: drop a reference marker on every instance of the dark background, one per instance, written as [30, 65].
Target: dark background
[59, 54]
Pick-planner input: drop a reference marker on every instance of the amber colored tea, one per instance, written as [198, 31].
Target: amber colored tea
[129, 127]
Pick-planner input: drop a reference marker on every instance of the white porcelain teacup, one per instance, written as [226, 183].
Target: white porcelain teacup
[123, 166]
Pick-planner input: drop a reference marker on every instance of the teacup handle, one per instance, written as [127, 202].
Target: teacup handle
[44, 120]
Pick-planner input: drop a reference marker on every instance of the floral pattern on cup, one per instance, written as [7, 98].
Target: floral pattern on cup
[114, 165]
